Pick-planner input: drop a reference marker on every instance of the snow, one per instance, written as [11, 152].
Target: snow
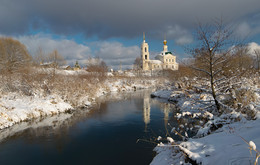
[165, 94]
[170, 140]
[167, 155]
[156, 61]
[226, 146]
[16, 107]
[159, 138]
[234, 137]
[252, 145]
[55, 121]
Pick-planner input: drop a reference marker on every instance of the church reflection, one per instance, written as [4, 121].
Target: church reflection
[166, 108]
[146, 111]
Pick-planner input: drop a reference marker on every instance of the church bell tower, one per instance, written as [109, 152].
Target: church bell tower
[144, 54]
[165, 47]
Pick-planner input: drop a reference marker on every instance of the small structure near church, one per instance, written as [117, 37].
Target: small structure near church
[164, 60]
[66, 67]
[77, 66]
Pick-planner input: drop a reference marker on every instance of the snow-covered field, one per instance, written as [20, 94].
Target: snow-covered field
[220, 139]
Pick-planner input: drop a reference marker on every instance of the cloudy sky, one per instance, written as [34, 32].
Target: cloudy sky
[112, 29]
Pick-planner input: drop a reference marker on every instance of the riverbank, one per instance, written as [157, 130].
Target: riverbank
[220, 138]
[67, 91]
[109, 129]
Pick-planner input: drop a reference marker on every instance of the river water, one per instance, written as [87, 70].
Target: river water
[107, 134]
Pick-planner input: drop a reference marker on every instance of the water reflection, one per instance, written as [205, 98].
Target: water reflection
[146, 110]
[103, 111]
[165, 107]
[110, 129]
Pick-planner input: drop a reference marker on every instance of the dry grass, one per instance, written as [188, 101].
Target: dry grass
[73, 88]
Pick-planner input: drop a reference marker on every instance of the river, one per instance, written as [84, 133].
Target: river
[106, 134]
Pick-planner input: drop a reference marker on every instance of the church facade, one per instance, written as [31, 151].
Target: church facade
[164, 60]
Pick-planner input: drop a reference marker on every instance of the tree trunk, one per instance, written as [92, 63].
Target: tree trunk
[212, 83]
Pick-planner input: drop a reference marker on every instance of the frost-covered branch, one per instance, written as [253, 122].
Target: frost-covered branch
[227, 86]
[216, 72]
[202, 70]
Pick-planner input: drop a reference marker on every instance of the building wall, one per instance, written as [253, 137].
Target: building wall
[168, 62]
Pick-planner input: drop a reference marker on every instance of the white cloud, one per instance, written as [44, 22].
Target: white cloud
[69, 49]
[115, 53]
[252, 47]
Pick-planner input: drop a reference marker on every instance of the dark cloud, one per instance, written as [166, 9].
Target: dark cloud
[120, 18]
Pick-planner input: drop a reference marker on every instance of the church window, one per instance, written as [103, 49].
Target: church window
[166, 60]
[145, 49]
[145, 57]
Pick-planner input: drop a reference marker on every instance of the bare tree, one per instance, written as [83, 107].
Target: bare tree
[96, 66]
[56, 60]
[3, 57]
[138, 65]
[242, 61]
[257, 53]
[13, 55]
[213, 56]
[40, 57]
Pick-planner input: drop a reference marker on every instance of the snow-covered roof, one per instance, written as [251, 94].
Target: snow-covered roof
[64, 66]
[155, 61]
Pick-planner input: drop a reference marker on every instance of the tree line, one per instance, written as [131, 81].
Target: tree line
[14, 57]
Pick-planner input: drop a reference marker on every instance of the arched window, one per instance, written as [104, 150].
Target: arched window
[145, 49]
[145, 57]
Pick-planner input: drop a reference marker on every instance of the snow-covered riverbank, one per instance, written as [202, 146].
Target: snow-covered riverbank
[16, 107]
[220, 139]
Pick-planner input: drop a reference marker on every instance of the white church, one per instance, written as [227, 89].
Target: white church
[164, 60]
